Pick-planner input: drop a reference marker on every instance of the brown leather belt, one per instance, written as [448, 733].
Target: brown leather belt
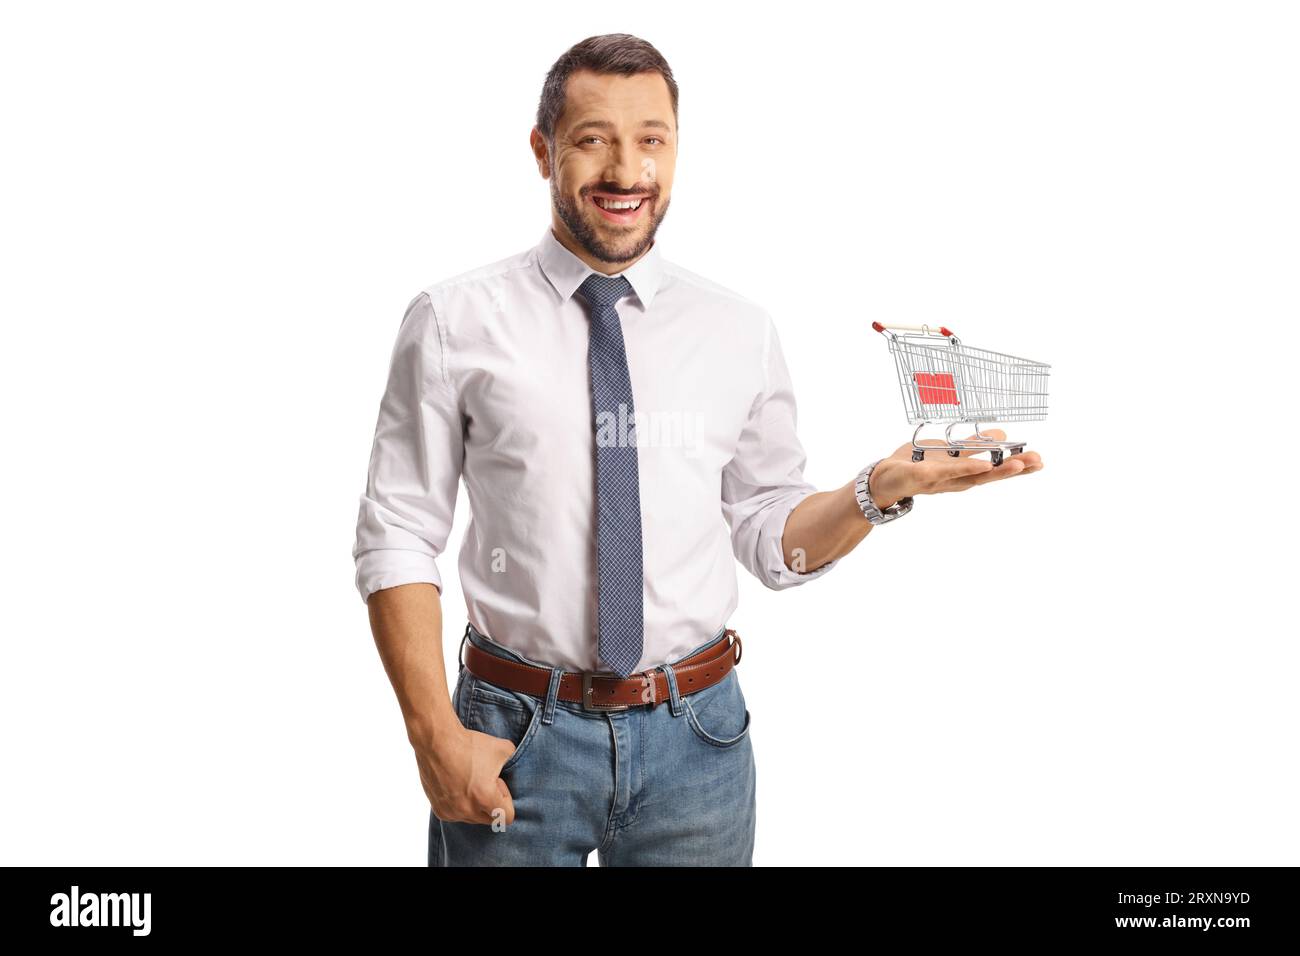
[603, 690]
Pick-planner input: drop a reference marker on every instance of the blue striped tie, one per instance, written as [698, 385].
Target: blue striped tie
[620, 614]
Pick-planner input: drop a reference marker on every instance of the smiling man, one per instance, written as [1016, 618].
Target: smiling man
[598, 705]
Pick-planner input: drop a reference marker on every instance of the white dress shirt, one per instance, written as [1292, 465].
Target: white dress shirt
[489, 382]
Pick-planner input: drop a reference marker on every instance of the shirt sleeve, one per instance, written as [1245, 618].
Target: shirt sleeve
[764, 482]
[415, 462]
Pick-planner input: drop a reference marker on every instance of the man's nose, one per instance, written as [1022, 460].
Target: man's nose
[625, 170]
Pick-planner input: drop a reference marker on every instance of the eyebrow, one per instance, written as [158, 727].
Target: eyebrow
[608, 126]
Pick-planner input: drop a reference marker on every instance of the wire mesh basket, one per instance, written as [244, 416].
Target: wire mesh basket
[943, 380]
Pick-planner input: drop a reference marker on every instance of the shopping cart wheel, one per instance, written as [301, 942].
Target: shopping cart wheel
[953, 452]
[996, 456]
[918, 454]
[1017, 449]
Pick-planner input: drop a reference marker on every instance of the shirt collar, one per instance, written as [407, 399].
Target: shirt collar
[566, 272]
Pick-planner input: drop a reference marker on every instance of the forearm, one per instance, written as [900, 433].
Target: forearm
[825, 526]
[407, 625]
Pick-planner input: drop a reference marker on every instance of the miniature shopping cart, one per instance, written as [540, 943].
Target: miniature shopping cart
[945, 381]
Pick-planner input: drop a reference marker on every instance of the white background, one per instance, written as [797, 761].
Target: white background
[214, 216]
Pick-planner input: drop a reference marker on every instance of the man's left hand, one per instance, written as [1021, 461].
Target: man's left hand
[898, 476]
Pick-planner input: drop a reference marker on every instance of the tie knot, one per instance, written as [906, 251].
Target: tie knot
[604, 290]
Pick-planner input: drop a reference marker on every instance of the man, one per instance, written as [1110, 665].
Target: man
[612, 415]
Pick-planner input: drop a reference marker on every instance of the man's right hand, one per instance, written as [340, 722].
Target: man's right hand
[462, 777]
[459, 768]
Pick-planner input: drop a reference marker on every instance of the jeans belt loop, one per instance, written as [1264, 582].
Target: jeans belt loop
[674, 695]
[552, 694]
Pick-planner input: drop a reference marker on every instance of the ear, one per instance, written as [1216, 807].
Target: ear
[537, 142]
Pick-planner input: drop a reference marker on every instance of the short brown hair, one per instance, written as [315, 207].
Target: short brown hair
[612, 53]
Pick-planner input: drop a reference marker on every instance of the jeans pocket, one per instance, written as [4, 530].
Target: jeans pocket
[501, 712]
[718, 714]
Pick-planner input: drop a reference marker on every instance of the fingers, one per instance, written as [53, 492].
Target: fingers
[491, 804]
[478, 795]
[936, 472]
[1025, 463]
[505, 804]
[937, 475]
[996, 434]
[993, 434]
[1033, 461]
[495, 804]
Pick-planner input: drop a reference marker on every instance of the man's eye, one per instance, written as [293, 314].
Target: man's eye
[655, 138]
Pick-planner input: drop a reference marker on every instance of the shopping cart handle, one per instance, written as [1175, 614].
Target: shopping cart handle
[943, 329]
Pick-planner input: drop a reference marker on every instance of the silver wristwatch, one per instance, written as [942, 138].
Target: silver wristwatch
[873, 514]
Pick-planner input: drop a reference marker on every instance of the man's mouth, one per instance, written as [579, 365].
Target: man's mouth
[623, 210]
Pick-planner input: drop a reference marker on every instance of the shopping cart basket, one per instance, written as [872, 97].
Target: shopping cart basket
[945, 381]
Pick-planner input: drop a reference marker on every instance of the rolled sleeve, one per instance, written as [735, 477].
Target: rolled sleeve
[406, 511]
[764, 482]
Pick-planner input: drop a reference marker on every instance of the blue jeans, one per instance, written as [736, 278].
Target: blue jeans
[668, 785]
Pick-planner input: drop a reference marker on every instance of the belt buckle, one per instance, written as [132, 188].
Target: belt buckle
[587, 702]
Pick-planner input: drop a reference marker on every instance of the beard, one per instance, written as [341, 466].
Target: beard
[574, 216]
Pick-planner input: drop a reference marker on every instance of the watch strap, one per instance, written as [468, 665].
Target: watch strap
[873, 513]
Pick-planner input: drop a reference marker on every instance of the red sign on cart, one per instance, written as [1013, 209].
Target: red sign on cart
[936, 388]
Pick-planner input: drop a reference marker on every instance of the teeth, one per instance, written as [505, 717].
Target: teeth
[610, 204]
